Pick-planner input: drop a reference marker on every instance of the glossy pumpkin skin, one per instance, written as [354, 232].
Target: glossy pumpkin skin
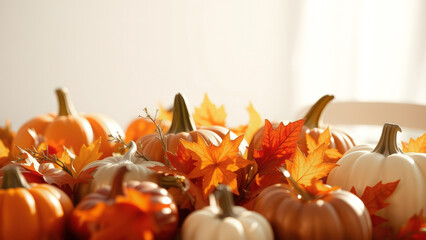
[36, 211]
[182, 127]
[141, 127]
[225, 221]
[337, 215]
[364, 166]
[138, 169]
[166, 218]
[69, 128]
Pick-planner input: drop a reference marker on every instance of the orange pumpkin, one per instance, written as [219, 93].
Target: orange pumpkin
[36, 211]
[295, 214]
[182, 127]
[161, 208]
[69, 128]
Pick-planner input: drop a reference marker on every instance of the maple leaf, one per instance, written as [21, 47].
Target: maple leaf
[6, 134]
[209, 115]
[414, 228]
[278, 145]
[4, 154]
[304, 169]
[255, 122]
[332, 154]
[217, 164]
[418, 145]
[87, 155]
[318, 188]
[164, 114]
[182, 161]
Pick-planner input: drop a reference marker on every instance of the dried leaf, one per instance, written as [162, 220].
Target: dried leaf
[414, 228]
[209, 115]
[318, 188]
[418, 145]
[255, 122]
[182, 161]
[217, 164]
[332, 154]
[304, 169]
[4, 154]
[87, 155]
[6, 134]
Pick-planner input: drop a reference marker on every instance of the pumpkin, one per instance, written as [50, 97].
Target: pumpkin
[35, 211]
[163, 209]
[225, 221]
[295, 214]
[138, 169]
[364, 166]
[69, 128]
[182, 127]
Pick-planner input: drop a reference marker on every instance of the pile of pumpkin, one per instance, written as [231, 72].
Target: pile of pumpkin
[79, 176]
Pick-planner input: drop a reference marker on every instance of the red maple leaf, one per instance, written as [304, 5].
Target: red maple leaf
[415, 228]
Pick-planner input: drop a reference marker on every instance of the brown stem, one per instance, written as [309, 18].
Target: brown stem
[117, 183]
[387, 144]
[182, 119]
[225, 201]
[305, 196]
[13, 178]
[312, 118]
[66, 107]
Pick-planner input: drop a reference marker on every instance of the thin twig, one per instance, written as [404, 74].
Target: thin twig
[118, 139]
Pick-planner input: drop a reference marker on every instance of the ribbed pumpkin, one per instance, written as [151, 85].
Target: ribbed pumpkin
[295, 214]
[340, 140]
[138, 169]
[69, 128]
[182, 127]
[36, 211]
[225, 221]
[164, 211]
[364, 166]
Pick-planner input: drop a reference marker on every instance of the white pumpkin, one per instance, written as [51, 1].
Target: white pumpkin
[225, 221]
[364, 166]
[104, 173]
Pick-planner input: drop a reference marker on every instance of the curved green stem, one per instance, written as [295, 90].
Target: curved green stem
[66, 107]
[312, 118]
[13, 178]
[182, 119]
[305, 196]
[224, 199]
[117, 183]
[387, 144]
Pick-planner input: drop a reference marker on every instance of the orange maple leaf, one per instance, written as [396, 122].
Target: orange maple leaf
[217, 164]
[6, 134]
[4, 154]
[87, 155]
[418, 145]
[332, 154]
[318, 188]
[182, 161]
[303, 169]
[255, 122]
[209, 115]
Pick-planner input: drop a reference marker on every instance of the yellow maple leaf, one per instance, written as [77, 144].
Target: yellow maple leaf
[209, 115]
[217, 164]
[87, 155]
[6, 134]
[418, 145]
[4, 154]
[164, 114]
[255, 122]
[303, 169]
[324, 138]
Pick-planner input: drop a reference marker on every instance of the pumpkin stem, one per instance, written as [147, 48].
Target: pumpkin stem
[174, 181]
[305, 195]
[182, 119]
[387, 144]
[312, 118]
[117, 182]
[66, 107]
[13, 178]
[224, 199]
[131, 152]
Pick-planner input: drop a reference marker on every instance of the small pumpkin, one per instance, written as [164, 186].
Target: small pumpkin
[365, 165]
[69, 128]
[225, 221]
[340, 140]
[163, 209]
[182, 127]
[138, 169]
[295, 214]
[31, 211]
